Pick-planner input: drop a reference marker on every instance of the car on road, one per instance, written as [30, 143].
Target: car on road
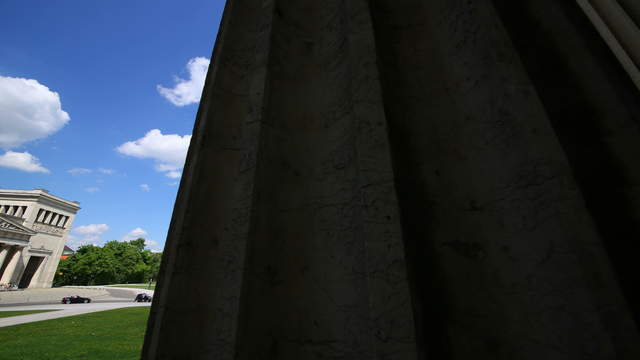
[142, 297]
[75, 300]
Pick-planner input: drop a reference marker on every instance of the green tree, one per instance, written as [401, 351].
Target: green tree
[154, 265]
[115, 262]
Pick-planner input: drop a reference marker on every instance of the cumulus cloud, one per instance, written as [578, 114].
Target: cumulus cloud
[134, 234]
[87, 235]
[22, 161]
[187, 91]
[168, 151]
[145, 187]
[174, 174]
[79, 171]
[92, 189]
[153, 246]
[28, 111]
[106, 171]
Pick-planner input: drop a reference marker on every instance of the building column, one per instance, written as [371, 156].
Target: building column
[11, 266]
[632, 8]
[4, 250]
[288, 234]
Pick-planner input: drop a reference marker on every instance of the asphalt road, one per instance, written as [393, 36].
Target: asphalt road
[102, 298]
[98, 294]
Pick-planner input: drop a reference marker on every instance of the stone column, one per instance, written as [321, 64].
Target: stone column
[317, 241]
[396, 179]
[10, 269]
[35, 279]
[4, 250]
[632, 8]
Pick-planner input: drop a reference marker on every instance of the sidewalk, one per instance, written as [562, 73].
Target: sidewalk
[63, 310]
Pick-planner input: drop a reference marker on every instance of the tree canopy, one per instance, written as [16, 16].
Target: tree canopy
[116, 262]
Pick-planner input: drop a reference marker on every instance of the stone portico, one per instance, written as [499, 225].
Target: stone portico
[34, 226]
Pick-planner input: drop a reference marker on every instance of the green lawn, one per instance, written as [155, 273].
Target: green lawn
[114, 334]
[4, 314]
[136, 286]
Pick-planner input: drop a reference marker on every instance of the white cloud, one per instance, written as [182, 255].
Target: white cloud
[153, 246]
[145, 187]
[187, 92]
[74, 242]
[28, 111]
[174, 174]
[79, 171]
[82, 171]
[92, 189]
[135, 234]
[22, 161]
[87, 234]
[168, 151]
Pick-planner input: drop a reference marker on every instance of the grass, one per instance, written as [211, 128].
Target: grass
[5, 314]
[136, 286]
[113, 334]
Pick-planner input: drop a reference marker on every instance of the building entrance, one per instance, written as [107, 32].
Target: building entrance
[29, 271]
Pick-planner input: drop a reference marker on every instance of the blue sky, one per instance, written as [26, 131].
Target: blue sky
[127, 75]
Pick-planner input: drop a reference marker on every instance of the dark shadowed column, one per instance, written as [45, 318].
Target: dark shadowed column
[288, 243]
[398, 179]
[510, 263]
[198, 300]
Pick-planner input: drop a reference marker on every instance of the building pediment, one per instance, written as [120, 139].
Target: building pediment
[10, 225]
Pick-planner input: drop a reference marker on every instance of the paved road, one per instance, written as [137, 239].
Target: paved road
[64, 310]
[102, 298]
[53, 296]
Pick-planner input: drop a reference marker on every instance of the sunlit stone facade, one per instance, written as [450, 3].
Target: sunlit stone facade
[34, 226]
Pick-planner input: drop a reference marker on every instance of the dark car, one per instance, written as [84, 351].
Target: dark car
[75, 300]
[142, 297]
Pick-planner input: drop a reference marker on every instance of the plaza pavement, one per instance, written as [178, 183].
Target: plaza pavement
[54, 295]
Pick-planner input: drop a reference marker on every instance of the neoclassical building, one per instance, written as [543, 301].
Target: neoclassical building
[34, 226]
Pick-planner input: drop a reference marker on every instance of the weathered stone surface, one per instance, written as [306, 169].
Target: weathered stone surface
[389, 179]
